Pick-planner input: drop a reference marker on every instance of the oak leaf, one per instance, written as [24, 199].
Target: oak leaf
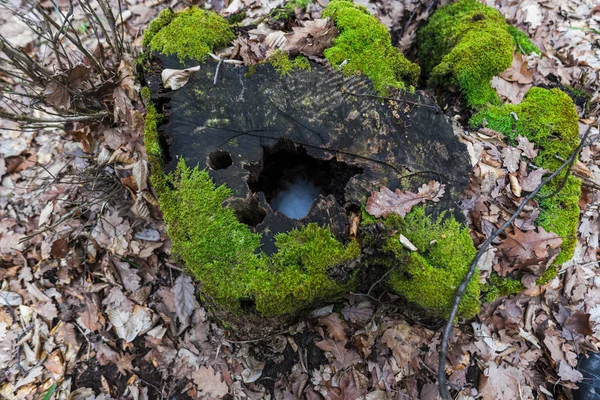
[361, 312]
[385, 201]
[209, 382]
[334, 325]
[342, 357]
[529, 245]
[312, 38]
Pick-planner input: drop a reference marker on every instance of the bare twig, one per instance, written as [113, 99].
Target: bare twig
[62, 119]
[443, 389]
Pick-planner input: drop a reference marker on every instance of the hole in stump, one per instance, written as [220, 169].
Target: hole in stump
[219, 160]
[291, 180]
[248, 211]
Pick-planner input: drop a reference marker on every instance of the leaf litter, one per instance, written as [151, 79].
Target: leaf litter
[95, 307]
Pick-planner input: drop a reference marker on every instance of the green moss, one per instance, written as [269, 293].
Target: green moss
[430, 276]
[522, 41]
[301, 62]
[284, 65]
[547, 118]
[145, 94]
[224, 255]
[547, 276]
[163, 19]
[466, 44]
[288, 11]
[498, 286]
[364, 45]
[189, 34]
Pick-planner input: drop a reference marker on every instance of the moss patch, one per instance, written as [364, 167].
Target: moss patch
[430, 276]
[466, 44]
[189, 34]
[547, 118]
[284, 65]
[522, 41]
[497, 286]
[364, 45]
[224, 255]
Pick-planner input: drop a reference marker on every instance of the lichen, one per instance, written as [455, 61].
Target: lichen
[548, 119]
[522, 41]
[430, 276]
[189, 34]
[364, 46]
[224, 255]
[466, 44]
[284, 65]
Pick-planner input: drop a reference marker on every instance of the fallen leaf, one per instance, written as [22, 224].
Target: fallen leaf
[10, 299]
[528, 148]
[334, 325]
[129, 277]
[57, 95]
[533, 179]
[342, 357]
[404, 342]
[176, 78]
[385, 201]
[529, 245]
[579, 322]
[358, 313]
[511, 158]
[312, 38]
[124, 363]
[568, 373]
[185, 298]
[130, 324]
[209, 382]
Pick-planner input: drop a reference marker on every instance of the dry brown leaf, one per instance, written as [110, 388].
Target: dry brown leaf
[185, 299]
[359, 313]
[312, 38]
[176, 78]
[579, 322]
[511, 158]
[568, 373]
[121, 155]
[342, 357]
[209, 382]
[130, 324]
[124, 364]
[519, 70]
[404, 343]
[385, 201]
[334, 325]
[528, 245]
[533, 179]
[57, 95]
[528, 148]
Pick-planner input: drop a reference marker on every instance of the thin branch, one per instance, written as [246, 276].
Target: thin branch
[443, 389]
[66, 118]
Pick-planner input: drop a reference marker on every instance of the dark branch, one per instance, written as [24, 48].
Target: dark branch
[443, 389]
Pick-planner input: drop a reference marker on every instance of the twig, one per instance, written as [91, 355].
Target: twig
[380, 280]
[66, 118]
[217, 72]
[443, 389]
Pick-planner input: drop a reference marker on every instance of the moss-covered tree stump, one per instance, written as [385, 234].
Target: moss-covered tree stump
[263, 177]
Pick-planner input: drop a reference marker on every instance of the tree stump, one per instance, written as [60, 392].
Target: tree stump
[311, 136]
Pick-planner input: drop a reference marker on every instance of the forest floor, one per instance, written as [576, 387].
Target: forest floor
[93, 307]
